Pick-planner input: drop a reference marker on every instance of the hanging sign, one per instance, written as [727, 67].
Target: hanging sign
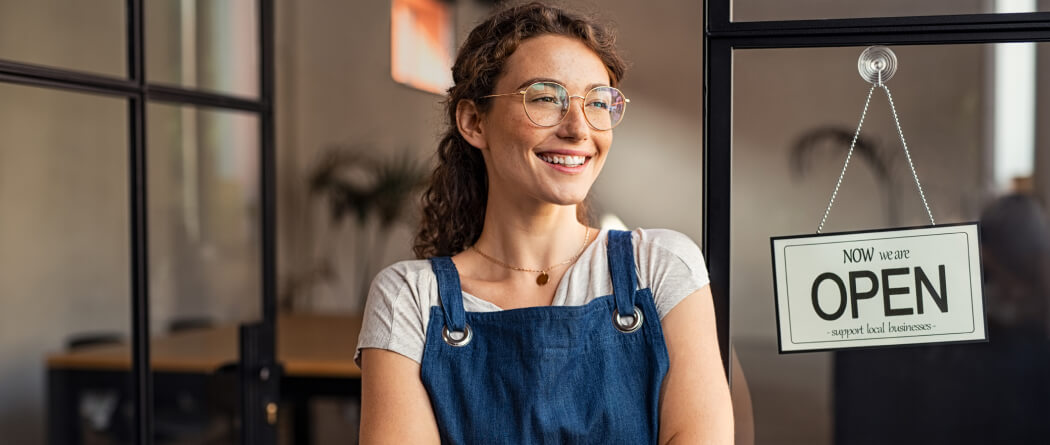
[879, 288]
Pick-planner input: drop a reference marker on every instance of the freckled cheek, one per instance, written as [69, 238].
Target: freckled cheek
[527, 143]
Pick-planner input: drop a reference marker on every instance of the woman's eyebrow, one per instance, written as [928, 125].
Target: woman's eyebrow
[547, 79]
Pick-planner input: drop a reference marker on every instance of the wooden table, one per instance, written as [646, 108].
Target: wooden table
[316, 351]
[307, 345]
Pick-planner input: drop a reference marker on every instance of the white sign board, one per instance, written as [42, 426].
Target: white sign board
[879, 288]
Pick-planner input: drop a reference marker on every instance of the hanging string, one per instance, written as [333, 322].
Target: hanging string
[907, 154]
[852, 145]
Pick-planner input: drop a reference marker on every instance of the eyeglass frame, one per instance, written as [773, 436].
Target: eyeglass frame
[569, 98]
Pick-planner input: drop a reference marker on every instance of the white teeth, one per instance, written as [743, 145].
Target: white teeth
[568, 161]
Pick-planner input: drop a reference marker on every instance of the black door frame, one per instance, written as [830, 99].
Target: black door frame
[139, 93]
[722, 36]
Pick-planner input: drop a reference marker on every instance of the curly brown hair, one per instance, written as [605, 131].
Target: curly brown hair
[453, 205]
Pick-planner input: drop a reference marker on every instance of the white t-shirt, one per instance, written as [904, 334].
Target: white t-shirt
[399, 302]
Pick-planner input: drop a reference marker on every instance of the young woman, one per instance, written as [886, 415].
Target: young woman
[526, 325]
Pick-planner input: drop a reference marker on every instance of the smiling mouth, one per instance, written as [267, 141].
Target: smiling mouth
[562, 160]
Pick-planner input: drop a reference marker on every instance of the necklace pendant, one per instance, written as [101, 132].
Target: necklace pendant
[542, 279]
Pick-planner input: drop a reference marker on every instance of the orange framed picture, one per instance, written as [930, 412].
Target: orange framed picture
[422, 44]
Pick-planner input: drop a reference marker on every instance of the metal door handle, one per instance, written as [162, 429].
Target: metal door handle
[271, 413]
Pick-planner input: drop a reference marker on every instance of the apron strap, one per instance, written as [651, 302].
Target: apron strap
[621, 267]
[450, 292]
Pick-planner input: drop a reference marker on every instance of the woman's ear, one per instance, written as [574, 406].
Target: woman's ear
[468, 121]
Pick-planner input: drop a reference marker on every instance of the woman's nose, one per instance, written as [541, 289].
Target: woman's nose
[574, 125]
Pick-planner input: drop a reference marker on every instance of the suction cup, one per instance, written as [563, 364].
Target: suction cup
[876, 60]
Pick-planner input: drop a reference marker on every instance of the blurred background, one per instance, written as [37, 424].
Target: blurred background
[354, 135]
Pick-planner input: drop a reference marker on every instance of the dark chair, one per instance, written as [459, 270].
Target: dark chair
[186, 408]
[99, 408]
[189, 324]
[84, 340]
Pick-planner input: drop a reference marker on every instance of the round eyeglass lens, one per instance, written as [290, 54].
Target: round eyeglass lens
[546, 103]
[604, 107]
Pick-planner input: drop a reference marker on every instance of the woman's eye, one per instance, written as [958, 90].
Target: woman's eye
[547, 99]
[599, 104]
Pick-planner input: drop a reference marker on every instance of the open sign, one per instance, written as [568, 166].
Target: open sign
[879, 288]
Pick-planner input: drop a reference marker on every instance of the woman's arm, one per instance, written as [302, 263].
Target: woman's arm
[395, 408]
[695, 406]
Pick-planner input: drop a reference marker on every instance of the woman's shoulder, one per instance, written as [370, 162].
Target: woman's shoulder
[413, 277]
[670, 264]
[663, 244]
[405, 269]
[657, 244]
[395, 312]
[666, 238]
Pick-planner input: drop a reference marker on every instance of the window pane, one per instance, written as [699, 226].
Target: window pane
[205, 45]
[980, 156]
[762, 10]
[204, 213]
[64, 266]
[204, 262]
[86, 36]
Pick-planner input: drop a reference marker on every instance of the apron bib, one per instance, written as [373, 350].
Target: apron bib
[555, 374]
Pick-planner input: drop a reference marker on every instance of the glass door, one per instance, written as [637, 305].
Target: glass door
[208, 133]
[136, 184]
[783, 102]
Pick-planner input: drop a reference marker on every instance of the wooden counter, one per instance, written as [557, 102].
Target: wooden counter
[308, 345]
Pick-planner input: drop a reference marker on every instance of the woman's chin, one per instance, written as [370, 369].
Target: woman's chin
[542, 191]
[567, 199]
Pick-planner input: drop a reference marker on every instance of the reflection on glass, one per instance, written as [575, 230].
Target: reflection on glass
[63, 263]
[85, 36]
[1014, 111]
[791, 129]
[205, 279]
[763, 10]
[206, 45]
[204, 214]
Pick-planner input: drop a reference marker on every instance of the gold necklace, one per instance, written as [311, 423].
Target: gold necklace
[543, 277]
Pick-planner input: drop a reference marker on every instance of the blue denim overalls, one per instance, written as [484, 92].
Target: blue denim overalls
[558, 374]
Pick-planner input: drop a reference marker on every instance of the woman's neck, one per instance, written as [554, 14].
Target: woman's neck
[530, 235]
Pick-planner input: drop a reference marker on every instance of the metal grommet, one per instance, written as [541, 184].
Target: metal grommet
[626, 326]
[457, 338]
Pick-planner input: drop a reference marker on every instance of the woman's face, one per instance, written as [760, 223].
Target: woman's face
[525, 160]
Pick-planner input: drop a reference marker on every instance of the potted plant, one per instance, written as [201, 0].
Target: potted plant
[365, 196]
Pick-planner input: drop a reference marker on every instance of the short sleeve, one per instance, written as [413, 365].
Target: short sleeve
[393, 319]
[670, 264]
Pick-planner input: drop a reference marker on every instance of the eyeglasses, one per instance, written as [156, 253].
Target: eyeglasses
[547, 103]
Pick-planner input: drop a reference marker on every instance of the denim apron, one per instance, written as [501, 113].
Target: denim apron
[555, 374]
